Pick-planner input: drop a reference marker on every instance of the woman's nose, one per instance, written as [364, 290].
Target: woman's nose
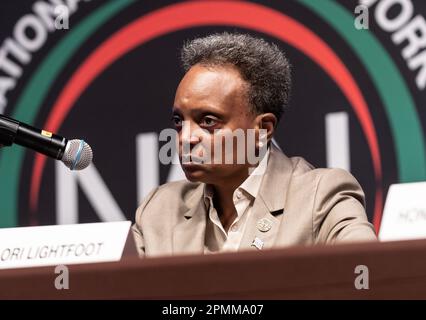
[189, 134]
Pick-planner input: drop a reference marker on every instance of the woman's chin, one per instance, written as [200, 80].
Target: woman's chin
[195, 176]
[195, 173]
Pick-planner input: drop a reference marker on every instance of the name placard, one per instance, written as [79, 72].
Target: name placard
[62, 244]
[404, 215]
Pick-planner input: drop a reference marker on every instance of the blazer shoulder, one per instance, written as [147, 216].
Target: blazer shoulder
[339, 208]
[301, 167]
[170, 195]
[336, 176]
[180, 191]
[179, 186]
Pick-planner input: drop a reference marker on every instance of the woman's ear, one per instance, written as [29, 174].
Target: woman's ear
[266, 124]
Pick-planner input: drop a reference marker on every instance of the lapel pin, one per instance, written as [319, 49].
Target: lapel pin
[258, 243]
[264, 225]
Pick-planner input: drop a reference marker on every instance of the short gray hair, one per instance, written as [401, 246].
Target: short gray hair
[261, 64]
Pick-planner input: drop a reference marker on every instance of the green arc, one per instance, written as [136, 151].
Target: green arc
[405, 127]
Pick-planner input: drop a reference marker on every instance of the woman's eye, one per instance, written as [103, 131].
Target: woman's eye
[209, 122]
[177, 121]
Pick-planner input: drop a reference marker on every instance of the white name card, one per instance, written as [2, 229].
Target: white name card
[62, 244]
[404, 215]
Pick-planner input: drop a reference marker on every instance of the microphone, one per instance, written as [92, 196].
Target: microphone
[75, 154]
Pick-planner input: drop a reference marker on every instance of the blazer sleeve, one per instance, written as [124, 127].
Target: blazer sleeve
[137, 226]
[339, 213]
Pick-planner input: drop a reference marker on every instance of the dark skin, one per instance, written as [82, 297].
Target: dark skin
[209, 98]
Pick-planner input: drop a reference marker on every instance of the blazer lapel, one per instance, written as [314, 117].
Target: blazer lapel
[189, 232]
[260, 214]
[263, 225]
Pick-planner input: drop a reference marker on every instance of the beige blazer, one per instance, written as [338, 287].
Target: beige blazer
[304, 206]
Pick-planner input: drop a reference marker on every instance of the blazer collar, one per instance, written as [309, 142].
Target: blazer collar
[189, 232]
[269, 203]
[276, 181]
[193, 201]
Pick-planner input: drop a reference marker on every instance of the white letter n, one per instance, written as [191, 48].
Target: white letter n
[93, 187]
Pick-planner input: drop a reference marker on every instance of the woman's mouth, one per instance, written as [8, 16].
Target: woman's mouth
[191, 160]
